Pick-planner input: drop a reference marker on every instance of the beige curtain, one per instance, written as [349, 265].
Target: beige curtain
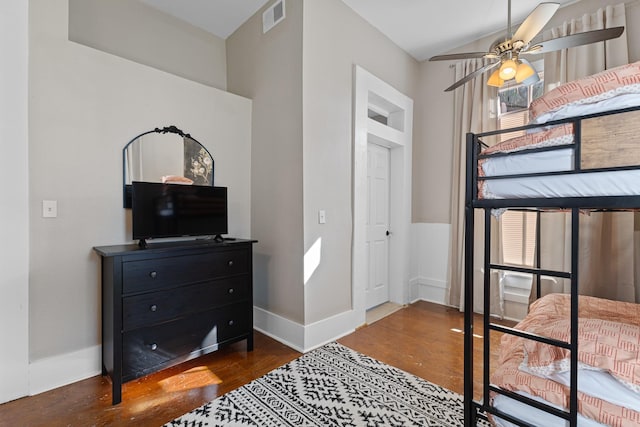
[569, 64]
[606, 254]
[474, 111]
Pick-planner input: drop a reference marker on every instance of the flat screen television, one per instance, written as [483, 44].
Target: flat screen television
[174, 210]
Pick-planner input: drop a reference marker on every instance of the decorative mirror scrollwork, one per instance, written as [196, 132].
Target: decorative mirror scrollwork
[165, 155]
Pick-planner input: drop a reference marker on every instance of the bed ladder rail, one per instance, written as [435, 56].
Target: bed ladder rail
[531, 270]
[470, 404]
[530, 336]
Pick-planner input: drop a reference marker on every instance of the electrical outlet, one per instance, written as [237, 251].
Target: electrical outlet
[49, 208]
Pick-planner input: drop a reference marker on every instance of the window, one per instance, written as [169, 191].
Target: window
[518, 237]
[518, 227]
[513, 106]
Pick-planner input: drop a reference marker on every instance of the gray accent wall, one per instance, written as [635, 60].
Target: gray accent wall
[300, 77]
[335, 40]
[135, 31]
[268, 69]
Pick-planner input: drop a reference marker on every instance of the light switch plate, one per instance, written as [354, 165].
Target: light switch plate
[49, 208]
[322, 217]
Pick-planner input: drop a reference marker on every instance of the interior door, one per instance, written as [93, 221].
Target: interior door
[377, 291]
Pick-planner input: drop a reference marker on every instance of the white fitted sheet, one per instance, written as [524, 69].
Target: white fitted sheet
[594, 184]
[532, 415]
[522, 162]
[588, 184]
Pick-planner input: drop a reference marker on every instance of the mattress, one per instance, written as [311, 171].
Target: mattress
[608, 386]
[609, 141]
[532, 415]
[593, 184]
[593, 383]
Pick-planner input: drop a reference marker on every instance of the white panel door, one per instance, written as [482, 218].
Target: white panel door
[377, 291]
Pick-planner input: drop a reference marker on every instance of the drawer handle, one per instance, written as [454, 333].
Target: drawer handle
[230, 322]
[153, 347]
[153, 274]
[230, 290]
[153, 307]
[230, 263]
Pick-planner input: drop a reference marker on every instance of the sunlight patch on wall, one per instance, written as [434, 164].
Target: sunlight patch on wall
[312, 259]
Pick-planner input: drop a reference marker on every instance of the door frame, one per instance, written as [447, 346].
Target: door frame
[370, 92]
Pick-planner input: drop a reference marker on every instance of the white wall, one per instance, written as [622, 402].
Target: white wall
[14, 215]
[85, 105]
[430, 261]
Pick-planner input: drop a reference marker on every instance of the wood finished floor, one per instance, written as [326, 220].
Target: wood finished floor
[422, 339]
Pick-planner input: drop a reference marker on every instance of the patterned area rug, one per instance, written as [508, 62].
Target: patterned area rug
[332, 386]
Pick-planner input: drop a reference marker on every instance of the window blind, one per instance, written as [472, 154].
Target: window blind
[518, 237]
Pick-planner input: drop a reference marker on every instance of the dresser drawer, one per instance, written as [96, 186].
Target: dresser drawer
[172, 271]
[148, 349]
[161, 306]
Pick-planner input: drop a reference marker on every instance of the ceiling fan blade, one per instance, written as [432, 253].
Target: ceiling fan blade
[535, 22]
[466, 55]
[575, 40]
[470, 76]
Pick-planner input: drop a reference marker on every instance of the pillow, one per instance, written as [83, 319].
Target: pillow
[176, 179]
[604, 345]
[598, 87]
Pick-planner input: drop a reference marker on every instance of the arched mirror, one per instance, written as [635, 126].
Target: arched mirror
[165, 155]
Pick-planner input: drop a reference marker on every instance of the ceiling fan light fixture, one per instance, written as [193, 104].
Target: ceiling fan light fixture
[495, 80]
[508, 69]
[531, 80]
[524, 71]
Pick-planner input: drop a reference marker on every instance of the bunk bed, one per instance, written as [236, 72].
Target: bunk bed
[580, 152]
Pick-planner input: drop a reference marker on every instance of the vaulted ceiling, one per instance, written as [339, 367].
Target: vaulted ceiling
[423, 28]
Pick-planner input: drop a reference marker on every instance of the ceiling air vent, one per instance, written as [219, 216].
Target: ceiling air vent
[272, 16]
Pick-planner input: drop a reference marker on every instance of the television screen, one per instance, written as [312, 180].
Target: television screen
[173, 210]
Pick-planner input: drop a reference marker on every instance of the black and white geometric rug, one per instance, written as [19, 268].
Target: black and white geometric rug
[332, 386]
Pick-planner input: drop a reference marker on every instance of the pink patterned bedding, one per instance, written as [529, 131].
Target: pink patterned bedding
[555, 308]
[598, 87]
[557, 135]
[588, 90]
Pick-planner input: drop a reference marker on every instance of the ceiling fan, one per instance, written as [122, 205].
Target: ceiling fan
[508, 51]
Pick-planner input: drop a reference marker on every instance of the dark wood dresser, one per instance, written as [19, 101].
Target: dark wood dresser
[171, 302]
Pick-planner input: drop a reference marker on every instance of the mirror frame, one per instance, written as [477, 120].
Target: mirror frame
[127, 189]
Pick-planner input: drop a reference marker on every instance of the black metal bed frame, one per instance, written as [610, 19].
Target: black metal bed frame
[474, 409]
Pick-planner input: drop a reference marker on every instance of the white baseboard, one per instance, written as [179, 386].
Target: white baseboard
[329, 329]
[300, 337]
[57, 371]
[279, 328]
[428, 289]
[53, 372]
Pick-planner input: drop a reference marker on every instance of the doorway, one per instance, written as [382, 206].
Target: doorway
[383, 117]
[377, 238]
